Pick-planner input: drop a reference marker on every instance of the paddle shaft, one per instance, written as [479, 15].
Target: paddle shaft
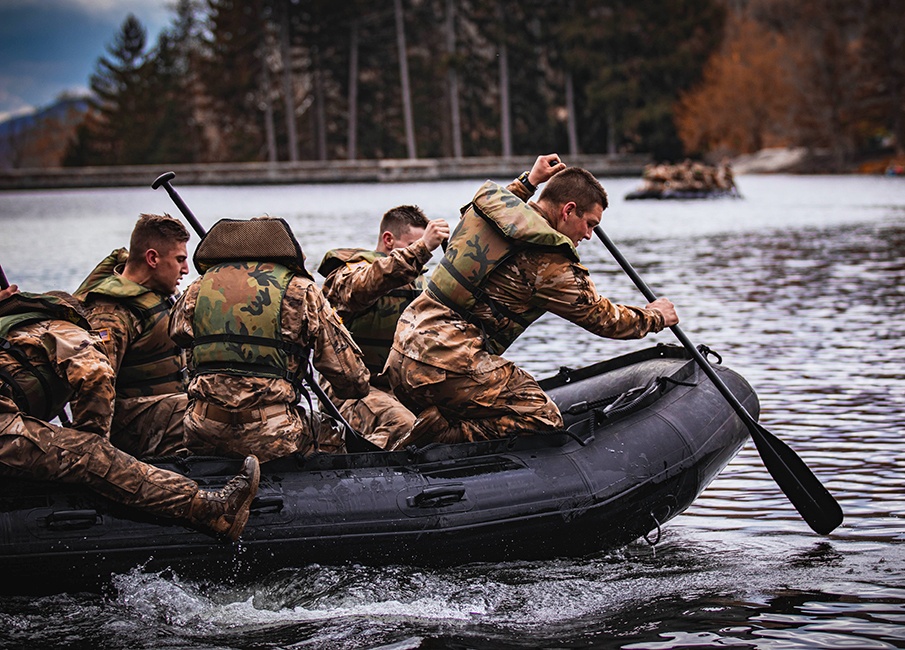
[816, 505]
[4, 283]
[362, 442]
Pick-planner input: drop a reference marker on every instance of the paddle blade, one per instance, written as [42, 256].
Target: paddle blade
[813, 501]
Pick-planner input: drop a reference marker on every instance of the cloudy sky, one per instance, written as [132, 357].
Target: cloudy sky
[48, 47]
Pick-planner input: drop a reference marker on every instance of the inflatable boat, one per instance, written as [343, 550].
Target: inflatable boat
[644, 434]
[682, 194]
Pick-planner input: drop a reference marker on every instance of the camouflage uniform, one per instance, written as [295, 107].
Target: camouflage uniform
[150, 390]
[34, 449]
[238, 411]
[370, 290]
[445, 363]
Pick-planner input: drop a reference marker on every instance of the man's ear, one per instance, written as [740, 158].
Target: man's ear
[152, 258]
[387, 239]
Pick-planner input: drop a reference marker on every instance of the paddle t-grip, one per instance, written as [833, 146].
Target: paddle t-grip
[164, 180]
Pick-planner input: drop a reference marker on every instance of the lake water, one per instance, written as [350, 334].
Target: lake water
[799, 286]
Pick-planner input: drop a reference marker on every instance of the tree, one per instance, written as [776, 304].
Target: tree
[741, 105]
[116, 132]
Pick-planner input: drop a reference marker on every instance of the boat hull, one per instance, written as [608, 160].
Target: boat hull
[646, 433]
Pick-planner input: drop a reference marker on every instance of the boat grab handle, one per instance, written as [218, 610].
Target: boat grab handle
[71, 519]
[268, 503]
[437, 496]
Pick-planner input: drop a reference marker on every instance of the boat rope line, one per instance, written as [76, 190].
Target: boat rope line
[656, 540]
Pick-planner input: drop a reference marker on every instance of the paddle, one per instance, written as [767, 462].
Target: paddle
[816, 505]
[4, 283]
[355, 442]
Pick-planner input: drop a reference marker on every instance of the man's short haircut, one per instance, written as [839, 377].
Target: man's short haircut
[157, 231]
[399, 219]
[575, 184]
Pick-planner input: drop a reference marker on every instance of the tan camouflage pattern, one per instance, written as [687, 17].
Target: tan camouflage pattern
[149, 427]
[31, 448]
[139, 349]
[77, 357]
[278, 431]
[476, 248]
[360, 286]
[379, 416]
[37, 450]
[450, 351]
[306, 318]
[455, 407]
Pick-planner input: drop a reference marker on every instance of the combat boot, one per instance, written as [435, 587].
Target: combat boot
[224, 512]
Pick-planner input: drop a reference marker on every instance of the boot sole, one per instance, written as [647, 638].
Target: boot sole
[245, 510]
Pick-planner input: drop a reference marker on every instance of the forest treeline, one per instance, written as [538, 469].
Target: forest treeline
[258, 80]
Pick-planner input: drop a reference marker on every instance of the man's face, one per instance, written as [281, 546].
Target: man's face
[579, 225]
[172, 264]
[408, 237]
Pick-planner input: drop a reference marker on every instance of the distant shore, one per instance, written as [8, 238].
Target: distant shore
[333, 171]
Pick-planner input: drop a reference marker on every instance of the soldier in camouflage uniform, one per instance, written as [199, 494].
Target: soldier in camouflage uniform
[48, 358]
[370, 290]
[128, 297]
[507, 263]
[253, 320]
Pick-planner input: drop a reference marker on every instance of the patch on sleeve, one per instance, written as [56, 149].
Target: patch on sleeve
[104, 334]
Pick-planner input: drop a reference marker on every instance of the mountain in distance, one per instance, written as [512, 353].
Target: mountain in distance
[40, 138]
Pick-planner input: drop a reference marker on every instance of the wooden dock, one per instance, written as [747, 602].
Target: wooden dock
[333, 171]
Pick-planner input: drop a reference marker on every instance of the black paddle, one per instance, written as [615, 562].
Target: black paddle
[355, 442]
[4, 283]
[816, 505]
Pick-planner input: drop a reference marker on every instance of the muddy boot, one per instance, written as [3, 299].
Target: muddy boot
[224, 512]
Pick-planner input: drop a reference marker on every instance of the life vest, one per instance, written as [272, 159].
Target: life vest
[108, 266]
[494, 226]
[236, 323]
[153, 363]
[373, 328]
[35, 387]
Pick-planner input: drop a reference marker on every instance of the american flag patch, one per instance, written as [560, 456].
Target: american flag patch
[103, 334]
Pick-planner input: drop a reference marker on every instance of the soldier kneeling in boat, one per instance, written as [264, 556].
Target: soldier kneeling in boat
[507, 263]
[253, 320]
[370, 289]
[48, 358]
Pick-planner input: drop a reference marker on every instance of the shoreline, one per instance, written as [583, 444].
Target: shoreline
[286, 173]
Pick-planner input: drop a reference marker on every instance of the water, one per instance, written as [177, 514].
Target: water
[799, 287]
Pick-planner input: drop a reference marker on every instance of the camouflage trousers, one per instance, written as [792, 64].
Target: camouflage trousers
[379, 416]
[34, 449]
[456, 407]
[149, 427]
[268, 432]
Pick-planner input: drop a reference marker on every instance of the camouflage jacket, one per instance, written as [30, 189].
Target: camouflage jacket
[371, 290]
[432, 333]
[132, 321]
[77, 357]
[306, 318]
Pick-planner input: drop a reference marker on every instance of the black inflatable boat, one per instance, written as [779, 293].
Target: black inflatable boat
[682, 194]
[645, 434]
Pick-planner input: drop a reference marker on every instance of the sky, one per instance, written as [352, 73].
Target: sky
[49, 47]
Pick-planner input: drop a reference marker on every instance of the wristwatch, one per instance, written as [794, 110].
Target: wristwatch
[523, 179]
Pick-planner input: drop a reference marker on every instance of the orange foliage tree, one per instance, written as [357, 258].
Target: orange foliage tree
[741, 105]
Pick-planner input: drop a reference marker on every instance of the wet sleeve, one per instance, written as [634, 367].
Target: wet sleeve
[565, 289]
[520, 190]
[355, 287]
[336, 356]
[80, 359]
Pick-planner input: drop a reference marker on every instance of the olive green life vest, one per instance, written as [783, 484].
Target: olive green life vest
[373, 328]
[101, 272]
[236, 323]
[153, 364]
[494, 226]
[36, 388]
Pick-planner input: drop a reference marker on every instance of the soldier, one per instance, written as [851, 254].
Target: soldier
[128, 297]
[253, 320]
[507, 263]
[48, 358]
[369, 290]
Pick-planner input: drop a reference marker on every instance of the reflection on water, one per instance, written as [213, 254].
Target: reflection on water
[799, 287]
